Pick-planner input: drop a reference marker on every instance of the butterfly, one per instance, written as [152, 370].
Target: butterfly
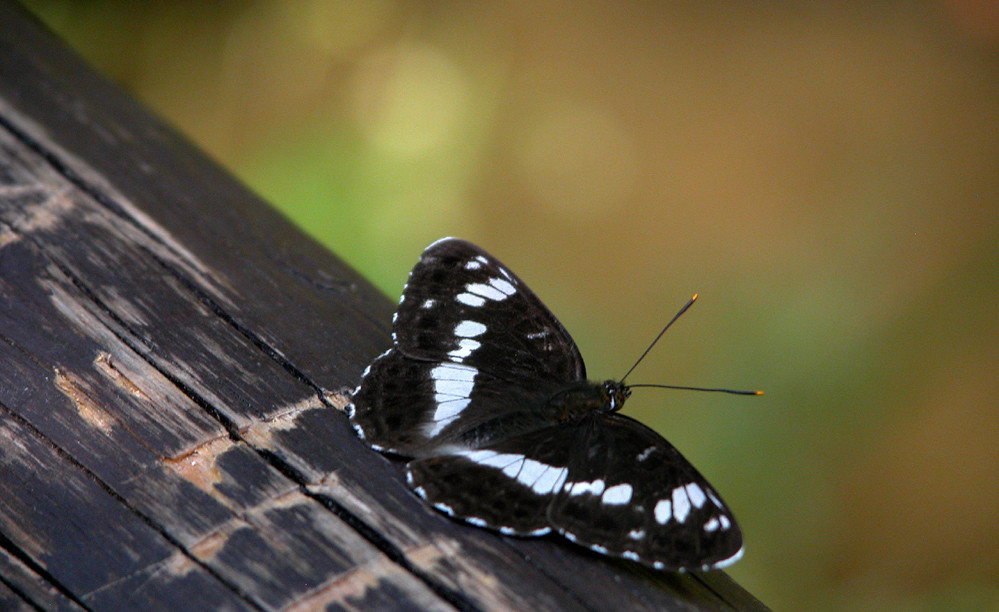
[486, 393]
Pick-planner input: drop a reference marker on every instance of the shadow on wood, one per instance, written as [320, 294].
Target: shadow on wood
[173, 359]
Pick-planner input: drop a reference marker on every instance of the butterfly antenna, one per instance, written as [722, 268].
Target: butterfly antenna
[733, 391]
[671, 321]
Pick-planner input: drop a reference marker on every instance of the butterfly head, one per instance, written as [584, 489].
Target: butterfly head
[614, 392]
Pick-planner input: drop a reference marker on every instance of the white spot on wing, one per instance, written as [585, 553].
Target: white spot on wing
[550, 479]
[448, 410]
[636, 534]
[642, 456]
[539, 477]
[663, 511]
[681, 504]
[470, 300]
[594, 488]
[502, 285]
[446, 509]
[528, 471]
[617, 495]
[465, 348]
[457, 403]
[727, 562]
[696, 494]
[492, 458]
[469, 329]
[453, 379]
[539, 531]
[453, 383]
[497, 289]
[489, 292]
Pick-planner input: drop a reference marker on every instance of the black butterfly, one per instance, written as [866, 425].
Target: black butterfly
[487, 392]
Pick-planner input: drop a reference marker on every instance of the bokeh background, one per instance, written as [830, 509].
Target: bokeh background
[825, 175]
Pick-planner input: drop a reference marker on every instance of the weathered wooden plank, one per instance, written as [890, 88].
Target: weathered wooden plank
[12, 600]
[22, 588]
[198, 218]
[179, 344]
[228, 544]
[73, 390]
[83, 536]
[108, 426]
[92, 246]
[206, 499]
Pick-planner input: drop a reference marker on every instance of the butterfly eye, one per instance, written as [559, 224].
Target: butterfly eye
[614, 393]
[618, 393]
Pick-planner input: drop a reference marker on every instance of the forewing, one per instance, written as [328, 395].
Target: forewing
[416, 408]
[476, 354]
[507, 487]
[629, 493]
[461, 304]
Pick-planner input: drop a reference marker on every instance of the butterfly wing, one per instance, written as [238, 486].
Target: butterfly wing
[461, 304]
[507, 487]
[606, 482]
[474, 349]
[630, 493]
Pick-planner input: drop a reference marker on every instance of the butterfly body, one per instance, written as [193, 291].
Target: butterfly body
[487, 394]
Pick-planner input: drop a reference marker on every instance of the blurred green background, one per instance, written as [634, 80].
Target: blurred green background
[825, 175]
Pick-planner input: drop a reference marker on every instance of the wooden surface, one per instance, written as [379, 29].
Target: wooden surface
[173, 356]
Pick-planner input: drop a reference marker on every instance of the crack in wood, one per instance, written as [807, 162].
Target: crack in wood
[105, 364]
